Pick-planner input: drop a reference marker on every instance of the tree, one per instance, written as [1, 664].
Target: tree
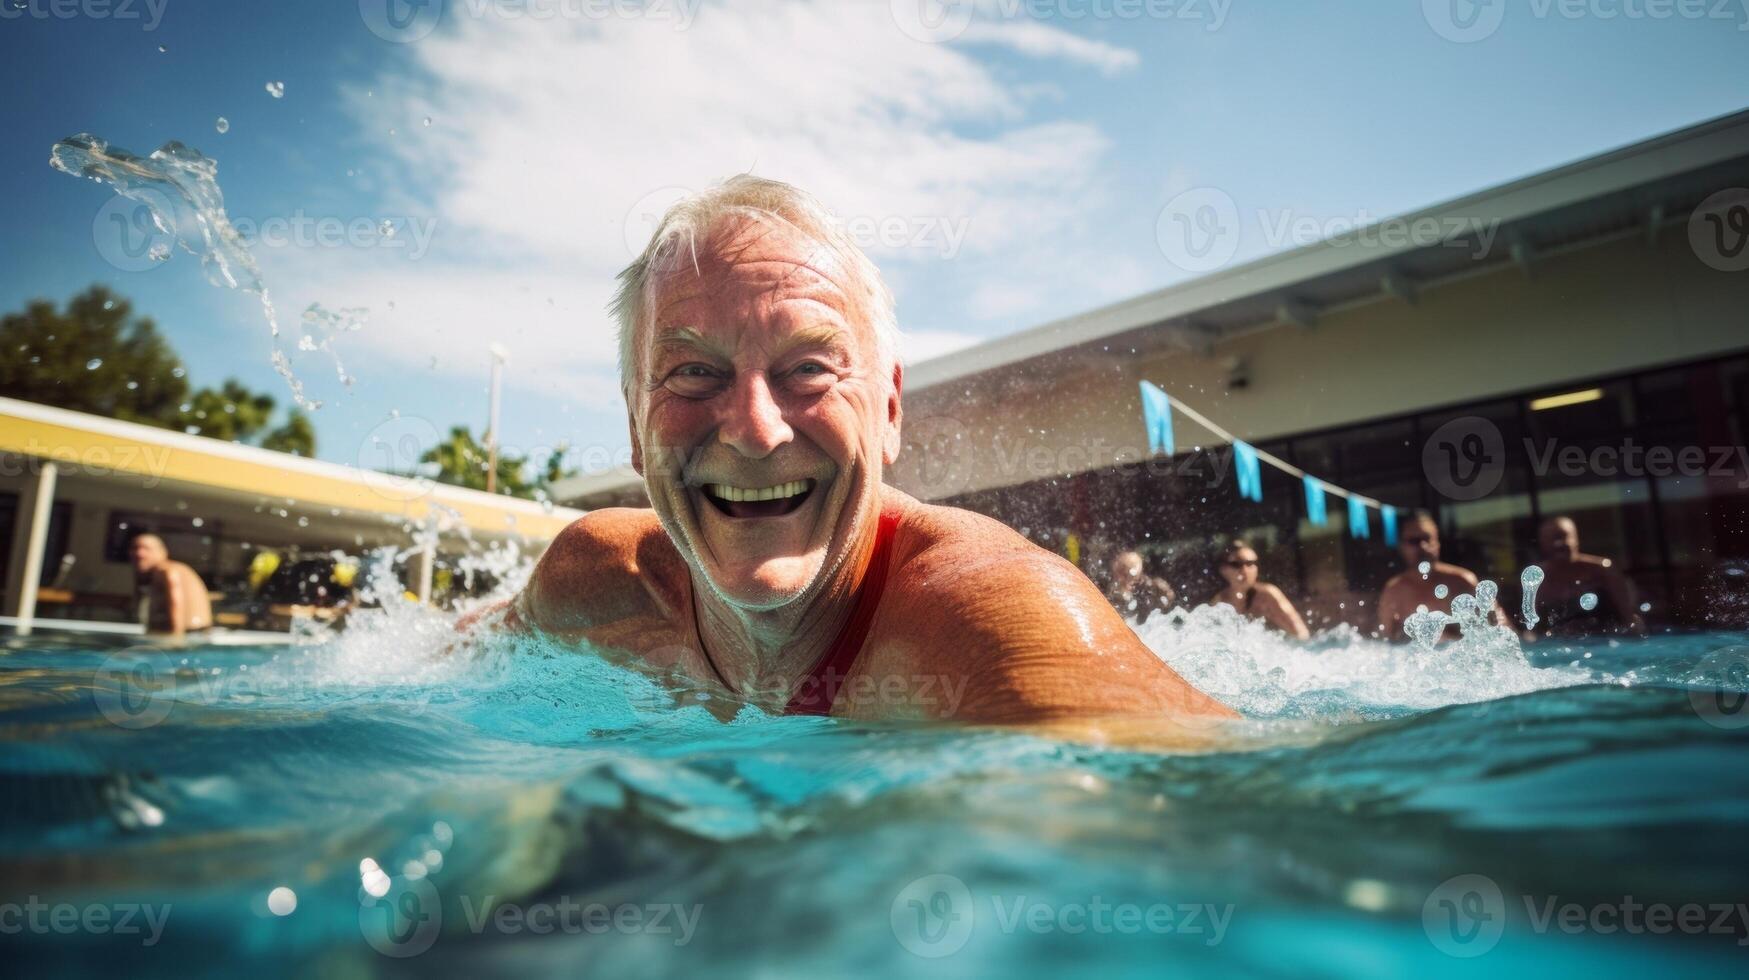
[461, 461]
[94, 357]
[297, 436]
[232, 413]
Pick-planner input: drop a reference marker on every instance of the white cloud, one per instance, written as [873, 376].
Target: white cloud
[1043, 41]
[551, 140]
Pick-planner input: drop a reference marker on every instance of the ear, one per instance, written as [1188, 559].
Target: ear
[895, 415]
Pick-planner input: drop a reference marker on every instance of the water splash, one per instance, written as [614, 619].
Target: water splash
[1344, 673]
[322, 326]
[1529, 580]
[1588, 601]
[180, 187]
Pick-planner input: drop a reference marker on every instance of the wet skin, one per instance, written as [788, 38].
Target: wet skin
[1569, 573]
[757, 369]
[1408, 589]
[179, 600]
[1268, 603]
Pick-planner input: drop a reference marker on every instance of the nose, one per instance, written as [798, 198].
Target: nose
[753, 423]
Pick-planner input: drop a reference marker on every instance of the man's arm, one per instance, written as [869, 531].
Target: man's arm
[175, 600]
[1624, 598]
[1389, 621]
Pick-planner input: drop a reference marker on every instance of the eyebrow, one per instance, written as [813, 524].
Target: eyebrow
[812, 335]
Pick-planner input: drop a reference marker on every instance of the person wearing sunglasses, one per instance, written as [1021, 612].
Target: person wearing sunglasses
[1254, 598]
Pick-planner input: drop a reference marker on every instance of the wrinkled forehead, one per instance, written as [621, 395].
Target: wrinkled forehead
[745, 267]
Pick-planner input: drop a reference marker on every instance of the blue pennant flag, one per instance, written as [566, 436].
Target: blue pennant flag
[1249, 473]
[1357, 522]
[1157, 416]
[1388, 517]
[1315, 510]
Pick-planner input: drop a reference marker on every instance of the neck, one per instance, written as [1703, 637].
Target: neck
[762, 653]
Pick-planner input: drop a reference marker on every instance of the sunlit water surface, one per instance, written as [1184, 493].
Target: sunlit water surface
[432, 813]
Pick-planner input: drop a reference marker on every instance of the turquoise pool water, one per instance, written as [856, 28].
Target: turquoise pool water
[518, 810]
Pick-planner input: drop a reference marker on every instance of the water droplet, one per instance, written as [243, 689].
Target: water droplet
[94, 364]
[1645, 607]
[1440, 591]
[109, 304]
[163, 50]
[177, 372]
[159, 252]
[276, 89]
[1588, 601]
[133, 386]
[223, 125]
[427, 120]
[1424, 567]
[387, 228]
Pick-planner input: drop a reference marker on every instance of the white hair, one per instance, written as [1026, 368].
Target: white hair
[745, 195]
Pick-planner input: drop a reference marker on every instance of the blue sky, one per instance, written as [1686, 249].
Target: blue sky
[1008, 174]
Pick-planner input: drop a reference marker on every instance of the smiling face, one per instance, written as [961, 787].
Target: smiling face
[762, 410]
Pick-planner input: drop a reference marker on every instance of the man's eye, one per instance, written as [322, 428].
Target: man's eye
[694, 380]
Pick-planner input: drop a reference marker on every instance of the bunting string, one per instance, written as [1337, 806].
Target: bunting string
[1157, 412]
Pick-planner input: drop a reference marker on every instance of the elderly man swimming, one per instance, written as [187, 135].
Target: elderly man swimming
[758, 362]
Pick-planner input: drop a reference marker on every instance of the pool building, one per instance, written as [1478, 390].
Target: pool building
[1575, 342]
[274, 536]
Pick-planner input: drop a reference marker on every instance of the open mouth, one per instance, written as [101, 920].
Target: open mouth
[775, 501]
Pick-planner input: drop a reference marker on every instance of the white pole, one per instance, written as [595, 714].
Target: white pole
[42, 506]
[499, 356]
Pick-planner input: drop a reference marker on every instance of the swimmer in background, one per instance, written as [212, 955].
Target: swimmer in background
[1253, 598]
[1135, 593]
[1569, 575]
[169, 596]
[1411, 589]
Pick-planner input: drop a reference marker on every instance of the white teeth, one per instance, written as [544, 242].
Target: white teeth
[723, 491]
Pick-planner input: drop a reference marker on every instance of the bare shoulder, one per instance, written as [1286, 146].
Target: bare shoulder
[1272, 594]
[1459, 572]
[605, 566]
[1027, 630]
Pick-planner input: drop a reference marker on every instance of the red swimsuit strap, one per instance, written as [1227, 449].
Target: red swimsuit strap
[819, 689]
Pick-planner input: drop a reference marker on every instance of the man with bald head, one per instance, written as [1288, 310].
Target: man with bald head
[763, 391]
[1570, 575]
[169, 595]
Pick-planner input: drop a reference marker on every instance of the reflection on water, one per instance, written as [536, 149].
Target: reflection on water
[361, 803]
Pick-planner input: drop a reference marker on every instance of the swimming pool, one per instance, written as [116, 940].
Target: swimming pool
[358, 805]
